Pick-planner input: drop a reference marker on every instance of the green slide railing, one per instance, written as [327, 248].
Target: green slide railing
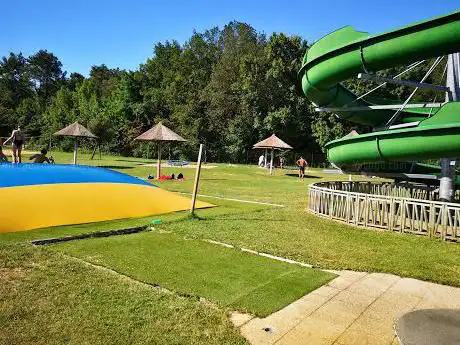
[346, 52]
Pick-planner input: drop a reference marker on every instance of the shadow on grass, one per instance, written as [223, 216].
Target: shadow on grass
[238, 216]
[306, 176]
[134, 161]
[248, 219]
[120, 167]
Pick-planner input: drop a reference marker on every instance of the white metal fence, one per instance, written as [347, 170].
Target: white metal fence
[387, 207]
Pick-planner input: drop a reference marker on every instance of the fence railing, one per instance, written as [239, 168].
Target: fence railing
[388, 207]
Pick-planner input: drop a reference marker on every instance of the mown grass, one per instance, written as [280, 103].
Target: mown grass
[297, 234]
[227, 276]
[291, 232]
[224, 208]
[48, 298]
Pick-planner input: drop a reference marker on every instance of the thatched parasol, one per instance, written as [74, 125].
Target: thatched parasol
[272, 143]
[75, 130]
[159, 133]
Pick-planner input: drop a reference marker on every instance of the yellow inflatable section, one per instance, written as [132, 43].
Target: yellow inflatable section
[33, 206]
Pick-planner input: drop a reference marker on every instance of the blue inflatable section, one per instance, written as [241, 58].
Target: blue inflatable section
[12, 175]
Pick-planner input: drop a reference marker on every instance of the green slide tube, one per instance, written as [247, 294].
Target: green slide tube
[346, 52]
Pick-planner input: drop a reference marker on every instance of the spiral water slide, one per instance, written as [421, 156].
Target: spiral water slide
[421, 131]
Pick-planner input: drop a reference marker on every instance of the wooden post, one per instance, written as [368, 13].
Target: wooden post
[75, 148]
[265, 159]
[271, 162]
[94, 151]
[159, 161]
[197, 181]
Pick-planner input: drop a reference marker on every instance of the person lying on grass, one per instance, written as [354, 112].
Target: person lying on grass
[3, 158]
[41, 157]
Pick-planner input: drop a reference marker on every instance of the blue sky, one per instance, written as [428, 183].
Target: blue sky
[122, 33]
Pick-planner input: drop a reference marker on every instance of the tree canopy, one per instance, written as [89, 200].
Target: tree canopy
[226, 87]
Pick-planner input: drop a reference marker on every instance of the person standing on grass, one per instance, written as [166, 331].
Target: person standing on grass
[302, 164]
[17, 138]
[282, 162]
[261, 160]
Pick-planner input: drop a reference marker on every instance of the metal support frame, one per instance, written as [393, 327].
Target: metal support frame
[382, 107]
[405, 125]
[412, 66]
[406, 102]
[376, 78]
[447, 180]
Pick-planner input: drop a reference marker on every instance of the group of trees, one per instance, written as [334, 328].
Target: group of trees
[227, 88]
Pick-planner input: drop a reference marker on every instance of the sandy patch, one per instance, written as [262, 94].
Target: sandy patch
[9, 152]
[11, 274]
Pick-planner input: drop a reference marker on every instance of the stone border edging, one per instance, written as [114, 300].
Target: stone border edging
[107, 233]
[270, 256]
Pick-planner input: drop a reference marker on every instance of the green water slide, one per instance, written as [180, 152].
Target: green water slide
[345, 53]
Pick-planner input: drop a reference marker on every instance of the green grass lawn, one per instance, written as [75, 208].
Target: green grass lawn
[47, 298]
[290, 231]
[230, 277]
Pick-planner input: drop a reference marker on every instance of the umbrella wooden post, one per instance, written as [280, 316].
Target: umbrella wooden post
[159, 161]
[161, 134]
[197, 181]
[271, 162]
[272, 143]
[75, 148]
[265, 159]
[76, 131]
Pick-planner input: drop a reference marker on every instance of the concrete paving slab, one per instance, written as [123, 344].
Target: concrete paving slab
[339, 312]
[362, 334]
[413, 287]
[254, 332]
[312, 332]
[344, 281]
[282, 321]
[355, 308]
[239, 319]
[355, 300]
[373, 284]
[326, 291]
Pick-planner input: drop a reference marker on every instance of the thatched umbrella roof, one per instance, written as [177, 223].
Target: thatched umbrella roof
[353, 133]
[76, 130]
[272, 142]
[160, 133]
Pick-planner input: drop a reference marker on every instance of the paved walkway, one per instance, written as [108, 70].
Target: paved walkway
[355, 308]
